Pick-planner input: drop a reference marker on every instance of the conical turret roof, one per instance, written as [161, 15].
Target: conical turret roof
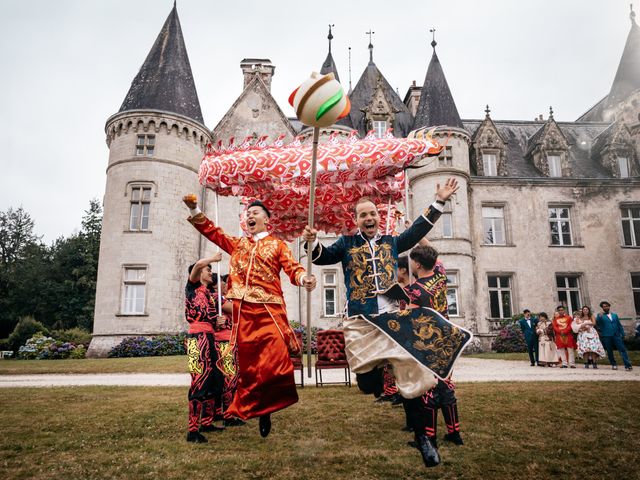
[165, 81]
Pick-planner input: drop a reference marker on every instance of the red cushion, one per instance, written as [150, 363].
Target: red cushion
[331, 348]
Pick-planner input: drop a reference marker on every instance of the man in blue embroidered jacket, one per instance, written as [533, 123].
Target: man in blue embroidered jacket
[370, 262]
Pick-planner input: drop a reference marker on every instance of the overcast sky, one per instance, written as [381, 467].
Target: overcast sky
[67, 65]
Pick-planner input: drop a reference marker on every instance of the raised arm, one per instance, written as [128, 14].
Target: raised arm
[194, 276]
[207, 228]
[322, 255]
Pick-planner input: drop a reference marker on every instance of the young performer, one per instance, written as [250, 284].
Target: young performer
[369, 262]
[201, 311]
[261, 330]
[430, 290]
[565, 343]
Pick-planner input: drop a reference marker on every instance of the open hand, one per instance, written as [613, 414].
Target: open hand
[449, 188]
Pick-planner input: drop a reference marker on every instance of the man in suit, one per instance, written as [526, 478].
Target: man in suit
[528, 326]
[612, 333]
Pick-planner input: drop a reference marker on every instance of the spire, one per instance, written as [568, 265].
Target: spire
[329, 65]
[370, 47]
[627, 78]
[165, 81]
[433, 39]
[436, 105]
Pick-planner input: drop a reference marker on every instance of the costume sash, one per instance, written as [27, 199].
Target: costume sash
[426, 335]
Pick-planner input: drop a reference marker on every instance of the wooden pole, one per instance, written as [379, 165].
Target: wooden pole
[218, 264]
[312, 199]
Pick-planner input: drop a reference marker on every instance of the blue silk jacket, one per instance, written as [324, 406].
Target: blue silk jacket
[371, 267]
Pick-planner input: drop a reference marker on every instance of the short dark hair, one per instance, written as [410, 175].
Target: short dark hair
[258, 203]
[363, 200]
[403, 262]
[526, 310]
[604, 302]
[543, 315]
[224, 277]
[561, 307]
[425, 256]
[193, 265]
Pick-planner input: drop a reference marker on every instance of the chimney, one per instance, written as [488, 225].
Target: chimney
[257, 66]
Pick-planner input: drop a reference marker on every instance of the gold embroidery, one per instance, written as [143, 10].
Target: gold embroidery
[393, 325]
[362, 283]
[434, 341]
[226, 354]
[193, 356]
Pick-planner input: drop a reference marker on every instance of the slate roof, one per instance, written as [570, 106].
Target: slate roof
[436, 106]
[363, 94]
[165, 81]
[626, 81]
[517, 134]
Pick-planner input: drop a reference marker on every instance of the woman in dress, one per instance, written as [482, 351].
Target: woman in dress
[547, 354]
[589, 346]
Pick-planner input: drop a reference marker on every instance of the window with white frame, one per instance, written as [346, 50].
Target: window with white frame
[490, 164]
[452, 293]
[555, 166]
[500, 300]
[330, 293]
[446, 220]
[493, 225]
[623, 167]
[569, 292]
[446, 157]
[379, 128]
[146, 145]
[140, 200]
[133, 290]
[560, 224]
[631, 225]
[635, 289]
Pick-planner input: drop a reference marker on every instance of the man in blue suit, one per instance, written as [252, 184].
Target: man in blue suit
[528, 326]
[612, 333]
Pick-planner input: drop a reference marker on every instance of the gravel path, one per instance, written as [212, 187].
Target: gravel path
[467, 370]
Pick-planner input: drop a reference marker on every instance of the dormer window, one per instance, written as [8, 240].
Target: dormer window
[379, 128]
[490, 164]
[623, 167]
[555, 165]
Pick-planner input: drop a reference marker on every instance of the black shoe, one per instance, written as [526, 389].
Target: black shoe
[429, 453]
[234, 422]
[211, 428]
[396, 400]
[265, 425]
[532, 365]
[383, 398]
[628, 369]
[454, 437]
[564, 366]
[407, 428]
[196, 437]
[595, 366]
[586, 364]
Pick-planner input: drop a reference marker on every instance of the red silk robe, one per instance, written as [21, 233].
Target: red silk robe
[261, 330]
[563, 331]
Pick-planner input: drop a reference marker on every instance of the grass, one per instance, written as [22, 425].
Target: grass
[634, 356]
[173, 364]
[535, 430]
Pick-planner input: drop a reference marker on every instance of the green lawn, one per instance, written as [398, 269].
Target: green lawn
[634, 356]
[536, 430]
[175, 364]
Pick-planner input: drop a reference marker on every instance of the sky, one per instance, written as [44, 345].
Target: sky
[67, 65]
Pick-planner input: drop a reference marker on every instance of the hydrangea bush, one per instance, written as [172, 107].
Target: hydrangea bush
[509, 340]
[297, 327]
[161, 345]
[42, 347]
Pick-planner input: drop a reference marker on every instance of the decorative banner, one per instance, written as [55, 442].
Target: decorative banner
[278, 175]
[429, 337]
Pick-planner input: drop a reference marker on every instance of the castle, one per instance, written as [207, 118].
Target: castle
[548, 212]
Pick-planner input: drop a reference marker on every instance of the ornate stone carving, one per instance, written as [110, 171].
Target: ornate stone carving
[487, 140]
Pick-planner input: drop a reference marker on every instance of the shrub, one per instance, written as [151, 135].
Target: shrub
[41, 347]
[77, 336]
[24, 330]
[632, 343]
[161, 345]
[297, 327]
[509, 340]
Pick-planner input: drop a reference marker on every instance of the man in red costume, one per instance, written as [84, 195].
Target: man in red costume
[565, 342]
[261, 330]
